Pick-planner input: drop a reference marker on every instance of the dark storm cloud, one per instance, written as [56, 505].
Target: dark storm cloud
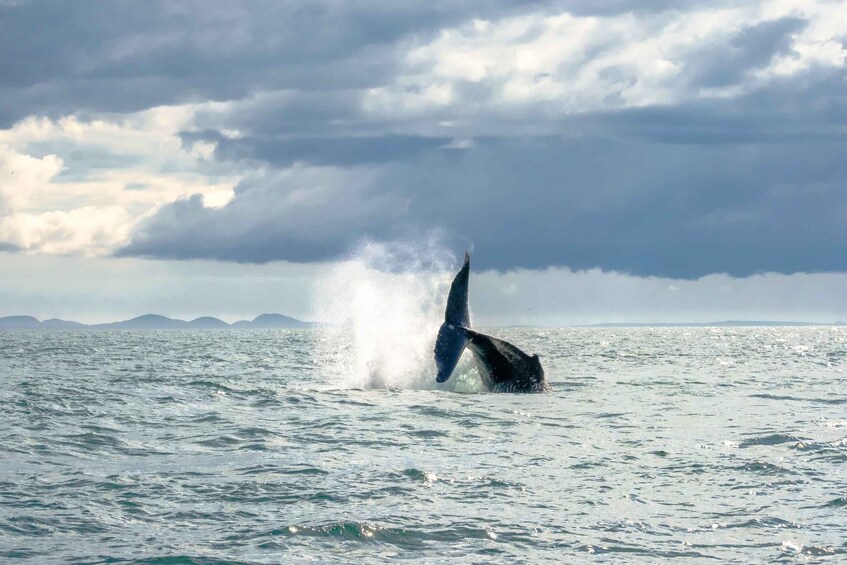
[303, 214]
[89, 56]
[648, 209]
[644, 208]
[813, 108]
[83, 56]
[743, 184]
[320, 128]
[724, 63]
[327, 151]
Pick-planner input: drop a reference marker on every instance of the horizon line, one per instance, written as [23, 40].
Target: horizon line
[283, 321]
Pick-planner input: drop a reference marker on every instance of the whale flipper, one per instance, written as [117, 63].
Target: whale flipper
[452, 340]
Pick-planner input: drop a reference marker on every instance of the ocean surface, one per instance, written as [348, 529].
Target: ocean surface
[692, 445]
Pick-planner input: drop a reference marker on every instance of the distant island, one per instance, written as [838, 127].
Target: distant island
[279, 321]
[157, 322]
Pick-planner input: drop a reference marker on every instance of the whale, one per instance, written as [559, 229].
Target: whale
[502, 366]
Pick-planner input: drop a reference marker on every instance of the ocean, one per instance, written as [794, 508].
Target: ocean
[692, 445]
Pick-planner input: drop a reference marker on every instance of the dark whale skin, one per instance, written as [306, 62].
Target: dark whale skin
[502, 366]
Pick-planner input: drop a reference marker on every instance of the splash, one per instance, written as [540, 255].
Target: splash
[385, 304]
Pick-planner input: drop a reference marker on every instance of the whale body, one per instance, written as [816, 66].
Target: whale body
[502, 366]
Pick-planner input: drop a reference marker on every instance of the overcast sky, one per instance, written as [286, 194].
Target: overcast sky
[604, 160]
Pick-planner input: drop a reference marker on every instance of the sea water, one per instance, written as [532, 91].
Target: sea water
[324, 446]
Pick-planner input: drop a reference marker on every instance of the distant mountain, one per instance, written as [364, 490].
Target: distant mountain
[146, 322]
[56, 323]
[157, 322]
[266, 321]
[23, 322]
[207, 323]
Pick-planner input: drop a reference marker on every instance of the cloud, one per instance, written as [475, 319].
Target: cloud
[333, 151]
[73, 186]
[557, 64]
[62, 58]
[652, 138]
[726, 61]
[297, 214]
[644, 208]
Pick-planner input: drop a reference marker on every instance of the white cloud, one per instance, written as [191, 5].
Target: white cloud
[818, 44]
[570, 63]
[21, 174]
[459, 143]
[75, 186]
[90, 230]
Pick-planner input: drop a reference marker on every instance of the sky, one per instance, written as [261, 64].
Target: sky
[603, 160]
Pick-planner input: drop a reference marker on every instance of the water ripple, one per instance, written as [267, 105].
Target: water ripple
[686, 444]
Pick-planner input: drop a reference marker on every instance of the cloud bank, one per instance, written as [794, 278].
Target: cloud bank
[652, 138]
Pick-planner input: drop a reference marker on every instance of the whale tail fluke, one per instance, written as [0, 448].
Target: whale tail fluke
[452, 340]
[504, 367]
[457, 301]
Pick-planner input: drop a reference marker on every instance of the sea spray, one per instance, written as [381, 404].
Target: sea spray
[384, 305]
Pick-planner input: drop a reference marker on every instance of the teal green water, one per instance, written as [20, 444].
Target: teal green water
[676, 444]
